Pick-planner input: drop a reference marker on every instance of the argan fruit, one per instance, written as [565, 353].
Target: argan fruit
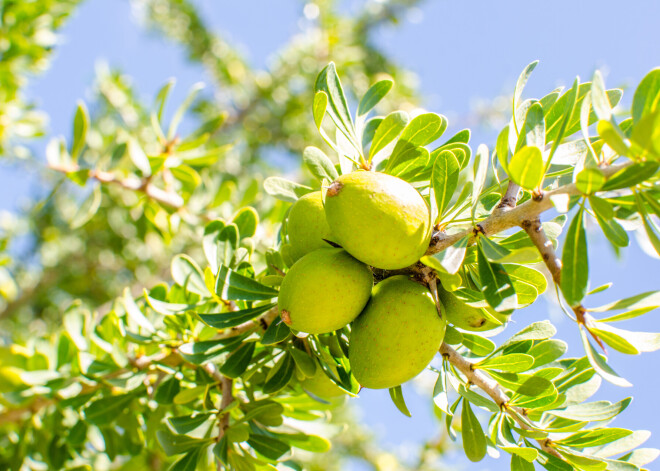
[379, 219]
[307, 226]
[466, 317]
[324, 290]
[397, 334]
[322, 386]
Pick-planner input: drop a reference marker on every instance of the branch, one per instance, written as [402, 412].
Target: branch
[502, 220]
[535, 231]
[144, 185]
[510, 198]
[493, 389]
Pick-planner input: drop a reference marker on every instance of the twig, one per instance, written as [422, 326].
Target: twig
[493, 389]
[130, 183]
[502, 220]
[510, 198]
[535, 232]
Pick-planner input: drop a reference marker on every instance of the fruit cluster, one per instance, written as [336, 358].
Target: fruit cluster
[378, 221]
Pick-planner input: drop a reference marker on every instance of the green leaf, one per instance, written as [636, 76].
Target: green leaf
[173, 444]
[480, 346]
[134, 312]
[161, 98]
[647, 95]
[583, 463]
[420, 131]
[478, 400]
[513, 363]
[502, 149]
[575, 261]
[187, 274]
[226, 320]
[474, 440]
[527, 454]
[107, 409]
[181, 110]
[599, 364]
[277, 331]
[80, 127]
[532, 134]
[613, 137]
[520, 85]
[185, 424]
[328, 82]
[639, 341]
[444, 179]
[167, 390]
[527, 385]
[200, 352]
[269, 447]
[623, 445]
[238, 360]
[570, 100]
[452, 257]
[480, 173]
[306, 364]
[415, 163]
[604, 214]
[375, 93]
[526, 167]
[553, 117]
[312, 443]
[596, 437]
[599, 100]
[518, 463]
[233, 286]
[87, 209]
[537, 331]
[493, 251]
[138, 157]
[280, 375]
[388, 130]
[319, 164]
[495, 283]
[285, 190]
[589, 180]
[647, 300]
[187, 462]
[396, 394]
[319, 107]
[548, 351]
[631, 175]
[247, 221]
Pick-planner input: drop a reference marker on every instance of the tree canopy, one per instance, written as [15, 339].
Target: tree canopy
[140, 291]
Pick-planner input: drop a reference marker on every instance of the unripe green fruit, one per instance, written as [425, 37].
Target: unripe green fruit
[307, 226]
[396, 336]
[466, 317]
[322, 386]
[379, 219]
[324, 290]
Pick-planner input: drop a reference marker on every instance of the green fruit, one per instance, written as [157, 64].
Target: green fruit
[379, 219]
[322, 386]
[470, 318]
[396, 336]
[307, 226]
[324, 290]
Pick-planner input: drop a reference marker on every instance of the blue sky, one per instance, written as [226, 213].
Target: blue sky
[461, 51]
